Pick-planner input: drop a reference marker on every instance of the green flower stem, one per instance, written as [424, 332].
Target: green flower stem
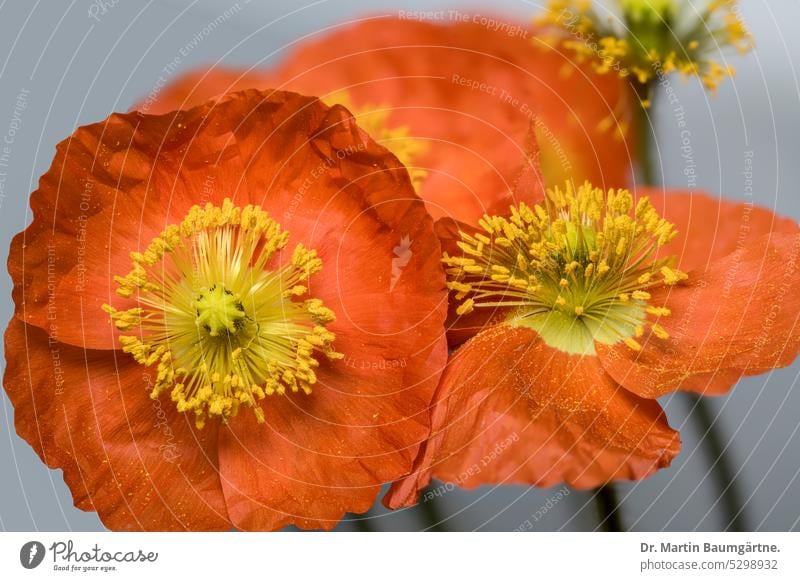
[730, 496]
[432, 518]
[728, 491]
[363, 523]
[608, 509]
[646, 137]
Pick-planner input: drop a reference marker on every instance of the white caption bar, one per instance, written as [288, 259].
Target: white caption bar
[406, 556]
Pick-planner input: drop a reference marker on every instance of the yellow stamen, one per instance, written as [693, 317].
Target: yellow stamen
[651, 39]
[672, 276]
[578, 269]
[466, 307]
[633, 344]
[659, 331]
[222, 326]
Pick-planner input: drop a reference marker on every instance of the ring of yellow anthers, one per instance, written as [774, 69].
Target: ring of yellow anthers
[577, 269]
[651, 38]
[222, 330]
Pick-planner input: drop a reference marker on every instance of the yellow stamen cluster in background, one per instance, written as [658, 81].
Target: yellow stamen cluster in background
[374, 119]
[578, 268]
[221, 328]
[651, 38]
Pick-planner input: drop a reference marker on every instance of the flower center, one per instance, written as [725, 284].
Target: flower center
[219, 311]
[577, 269]
[652, 36]
[221, 326]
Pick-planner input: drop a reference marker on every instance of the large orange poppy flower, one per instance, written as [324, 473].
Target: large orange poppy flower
[599, 302]
[454, 103]
[278, 306]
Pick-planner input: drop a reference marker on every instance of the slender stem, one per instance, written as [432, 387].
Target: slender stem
[646, 138]
[730, 496]
[608, 508]
[433, 520]
[605, 497]
[363, 524]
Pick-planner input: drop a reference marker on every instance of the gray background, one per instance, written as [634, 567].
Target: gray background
[78, 70]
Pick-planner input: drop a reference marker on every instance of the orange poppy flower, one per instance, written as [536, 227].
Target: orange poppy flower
[278, 306]
[584, 309]
[454, 103]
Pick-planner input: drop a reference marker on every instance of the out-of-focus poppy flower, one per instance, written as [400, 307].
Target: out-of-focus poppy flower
[278, 306]
[645, 39]
[601, 303]
[454, 103]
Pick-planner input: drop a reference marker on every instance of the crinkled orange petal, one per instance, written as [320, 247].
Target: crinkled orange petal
[111, 188]
[196, 87]
[333, 189]
[710, 227]
[325, 454]
[511, 410]
[137, 462]
[740, 316]
[322, 455]
[148, 170]
[469, 94]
